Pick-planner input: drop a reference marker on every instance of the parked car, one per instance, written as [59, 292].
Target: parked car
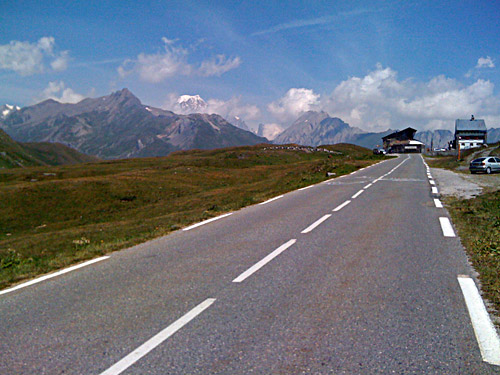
[488, 165]
[379, 151]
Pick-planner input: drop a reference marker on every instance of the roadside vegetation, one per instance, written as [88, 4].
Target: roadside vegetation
[51, 217]
[478, 223]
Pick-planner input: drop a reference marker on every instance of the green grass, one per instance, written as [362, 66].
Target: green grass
[51, 217]
[478, 224]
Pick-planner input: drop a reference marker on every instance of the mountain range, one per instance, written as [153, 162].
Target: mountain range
[318, 128]
[120, 126]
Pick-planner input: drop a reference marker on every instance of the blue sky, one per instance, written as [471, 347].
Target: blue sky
[373, 64]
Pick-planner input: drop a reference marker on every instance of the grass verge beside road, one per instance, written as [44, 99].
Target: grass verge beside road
[52, 217]
[478, 220]
[478, 224]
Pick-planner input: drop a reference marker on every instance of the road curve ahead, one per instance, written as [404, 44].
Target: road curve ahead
[356, 275]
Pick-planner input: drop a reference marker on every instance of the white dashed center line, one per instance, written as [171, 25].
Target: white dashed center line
[341, 206]
[156, 340]
[357, 194]
[315, 224]
[367, 186]
[257, 266]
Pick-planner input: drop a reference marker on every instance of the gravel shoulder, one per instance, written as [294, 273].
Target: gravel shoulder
[462, 185]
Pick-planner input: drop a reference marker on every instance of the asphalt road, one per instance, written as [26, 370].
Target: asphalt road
[304, 284]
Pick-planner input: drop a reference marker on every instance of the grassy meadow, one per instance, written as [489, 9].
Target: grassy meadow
[478, 224]
[51, 217]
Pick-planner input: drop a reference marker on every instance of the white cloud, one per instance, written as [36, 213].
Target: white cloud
[485, 62]
[57, 90]
[61, 62]
[172, 61]
[293, 103]
[270, 131]
[27, 58]
[379, 101]
[218, 66]
[225, 108]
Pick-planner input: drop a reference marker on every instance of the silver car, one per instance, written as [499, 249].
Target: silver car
[488, 165]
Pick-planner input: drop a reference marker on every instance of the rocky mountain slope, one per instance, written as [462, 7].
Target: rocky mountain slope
[120, 126]
[493, 135]
[14, 154]
[317, 128]
[435, 138]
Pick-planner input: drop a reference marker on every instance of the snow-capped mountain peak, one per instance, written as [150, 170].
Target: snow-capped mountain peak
[191, 103]
[7, 109]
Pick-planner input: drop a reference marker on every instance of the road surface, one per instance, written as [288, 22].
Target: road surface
[356, 275]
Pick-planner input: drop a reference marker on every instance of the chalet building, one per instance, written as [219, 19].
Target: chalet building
[402, 142]
[470, 133]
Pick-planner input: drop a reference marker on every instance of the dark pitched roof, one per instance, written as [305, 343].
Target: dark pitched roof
[410, 132]
[470, 125]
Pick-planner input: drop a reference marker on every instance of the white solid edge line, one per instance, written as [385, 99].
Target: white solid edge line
[51, 275]
[357, 194]
[434, 190]
[257, 266]
[272, 199]
[338, 208]
[486, 335]
[367, 186]
[446, 227]
[438, 203]
[156, 340]
[315, 224]
[307, 187]
[206, 221]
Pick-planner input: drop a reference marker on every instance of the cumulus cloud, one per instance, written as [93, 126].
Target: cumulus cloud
[485, 62]
[57, 90]
[293, 103]
[380, 100]
[172, 61]
[27, 58]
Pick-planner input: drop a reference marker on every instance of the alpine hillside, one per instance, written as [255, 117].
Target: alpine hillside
[120, 126]
[14, 154]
